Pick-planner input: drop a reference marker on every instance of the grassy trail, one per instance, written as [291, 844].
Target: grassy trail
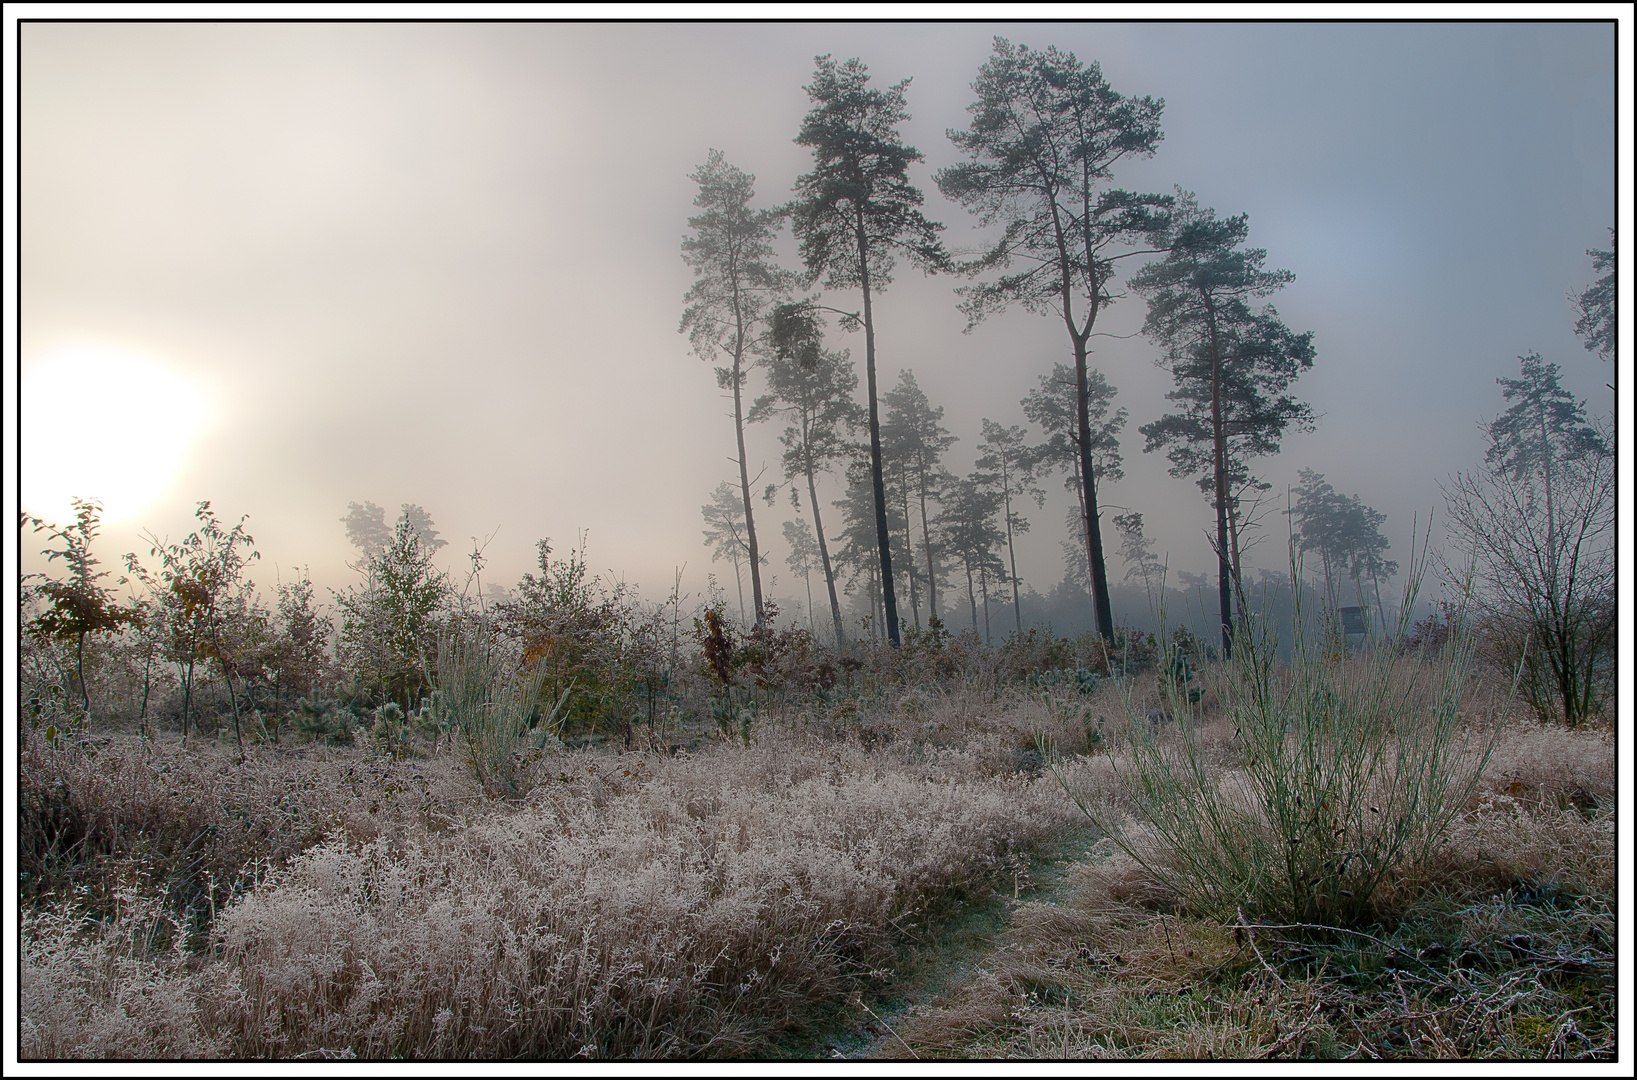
[937, 958]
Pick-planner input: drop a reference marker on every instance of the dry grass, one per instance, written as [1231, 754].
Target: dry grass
[1502, 945]
[635, 905]
[337, 904]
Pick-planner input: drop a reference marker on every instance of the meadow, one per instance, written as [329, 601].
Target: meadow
[1037, 850]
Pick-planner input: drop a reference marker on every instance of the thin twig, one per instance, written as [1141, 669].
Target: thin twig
[1250, 936]
[891, 1032]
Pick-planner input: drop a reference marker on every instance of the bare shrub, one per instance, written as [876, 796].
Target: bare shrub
[1349, 769]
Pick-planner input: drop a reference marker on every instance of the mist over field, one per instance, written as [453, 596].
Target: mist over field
[774, 542]
[291, 267]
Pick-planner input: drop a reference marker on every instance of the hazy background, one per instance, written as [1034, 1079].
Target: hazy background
[440, 264]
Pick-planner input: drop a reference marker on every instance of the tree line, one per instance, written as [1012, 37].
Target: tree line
[1533, 526]
[1046, 137]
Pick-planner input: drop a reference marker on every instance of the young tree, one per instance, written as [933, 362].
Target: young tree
[812, 388]
[580, 637]
[1045, 135]
[803, 557]
[301, 651]
[1544, 425]
[1597, 306]
[896, 484]
[1055, 406]
[1538, 522]
[967, 530]
[1137, 550]
[420, 522]
[858, 549]
[726, 533]
[735, 282]
[1007, 468]
[391, 622]
[78, 605]
[915, 439]
[1318, 514]
[854, 215]
[197, 582]
[1233, 367]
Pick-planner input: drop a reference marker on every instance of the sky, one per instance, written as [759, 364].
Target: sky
[285, 267]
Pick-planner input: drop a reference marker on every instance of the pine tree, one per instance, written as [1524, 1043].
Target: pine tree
[1233, 367]
[1598, 305]
[854, 215]
[725, 532]
[1137, 550]
[967, 530]
[1006, 467]
[735, 282]
[1054, 406]
[803, 558]
[1345, 533]
[1045, 135]
[812, 388]
[915, 439]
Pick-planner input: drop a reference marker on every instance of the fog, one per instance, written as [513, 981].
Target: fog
[439, 264]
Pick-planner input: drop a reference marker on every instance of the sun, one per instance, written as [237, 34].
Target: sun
[105, 424]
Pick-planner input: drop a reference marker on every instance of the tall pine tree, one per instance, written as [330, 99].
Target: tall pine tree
[735, 282]
[855, 214]
[812, 388]
[915, 438]
[1046, 133]
[1233, 366]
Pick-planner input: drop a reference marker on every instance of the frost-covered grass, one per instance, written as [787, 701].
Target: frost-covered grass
[1501, 943]
[325, 903]
[632, 905]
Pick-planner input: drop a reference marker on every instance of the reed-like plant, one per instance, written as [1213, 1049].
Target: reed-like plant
[1350, 766]
[490, 700]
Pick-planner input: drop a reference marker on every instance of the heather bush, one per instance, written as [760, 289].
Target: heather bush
[686, 907]
[633, 905]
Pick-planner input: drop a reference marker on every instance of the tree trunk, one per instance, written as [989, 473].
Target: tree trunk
[909, 550]
[926, 543]
[79, 661]
[1085, 536]
[739, 580]
[1011, 554]
[1219, 443]
[187, 699]
[232, 700]
[1082, 407]
[807, 575]
[147, 682]
[878, 616]
[1094, 532]
[1238, 574]
[971, 598]
[882, 539]
[983, 583]
[744, 486]
[824, 548]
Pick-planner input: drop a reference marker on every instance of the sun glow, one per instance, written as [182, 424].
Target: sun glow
[105, 424]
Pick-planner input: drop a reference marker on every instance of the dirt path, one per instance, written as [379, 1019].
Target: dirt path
[935, 969]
